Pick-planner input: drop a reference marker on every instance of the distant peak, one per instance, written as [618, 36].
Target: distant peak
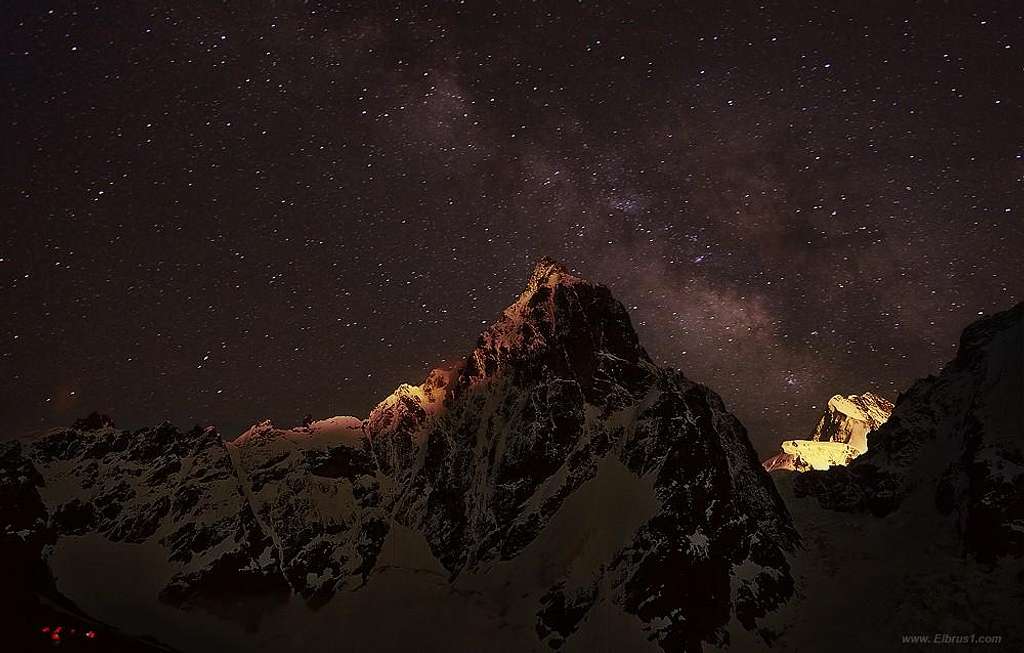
[867, 407]
[841, 434]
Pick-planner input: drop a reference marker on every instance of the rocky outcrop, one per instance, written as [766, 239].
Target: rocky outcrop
[849, 419]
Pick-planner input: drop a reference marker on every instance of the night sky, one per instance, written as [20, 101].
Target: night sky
[231, 211]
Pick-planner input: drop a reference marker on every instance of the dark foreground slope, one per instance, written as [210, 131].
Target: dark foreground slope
[555, 490]
[36, 616]
[924, 533]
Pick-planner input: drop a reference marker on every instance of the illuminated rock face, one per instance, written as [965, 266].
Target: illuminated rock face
[841, 435]
[556, 480]
[802, 455]
[850, 419]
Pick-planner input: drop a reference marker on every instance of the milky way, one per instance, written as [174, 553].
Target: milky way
[225, 213]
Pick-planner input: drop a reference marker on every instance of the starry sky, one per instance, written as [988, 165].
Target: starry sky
[217, 212]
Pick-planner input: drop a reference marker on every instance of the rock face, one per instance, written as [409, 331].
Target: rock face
[554, 482]
[850, 419]
[841, 434]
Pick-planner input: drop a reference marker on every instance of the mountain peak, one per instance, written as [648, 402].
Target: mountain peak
[549, 272]
[562, 325]
[538, 295]
[841, 434]
[869, 408]
[547, 275]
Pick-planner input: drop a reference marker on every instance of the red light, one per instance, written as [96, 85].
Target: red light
[91, 634]
[55, 636]
[44, 629]
[58, 629]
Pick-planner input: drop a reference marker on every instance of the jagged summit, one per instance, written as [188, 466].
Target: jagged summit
[560, 323]
[560, 319]
[868, 410]
[546, 295]
[563, 323]
[548, 272]
[850, 419]
[867, 407]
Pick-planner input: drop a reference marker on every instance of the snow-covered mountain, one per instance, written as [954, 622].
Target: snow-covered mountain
[840, 436]
[554, 491]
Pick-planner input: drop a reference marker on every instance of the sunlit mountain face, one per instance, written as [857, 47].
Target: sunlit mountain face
[841, 434]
